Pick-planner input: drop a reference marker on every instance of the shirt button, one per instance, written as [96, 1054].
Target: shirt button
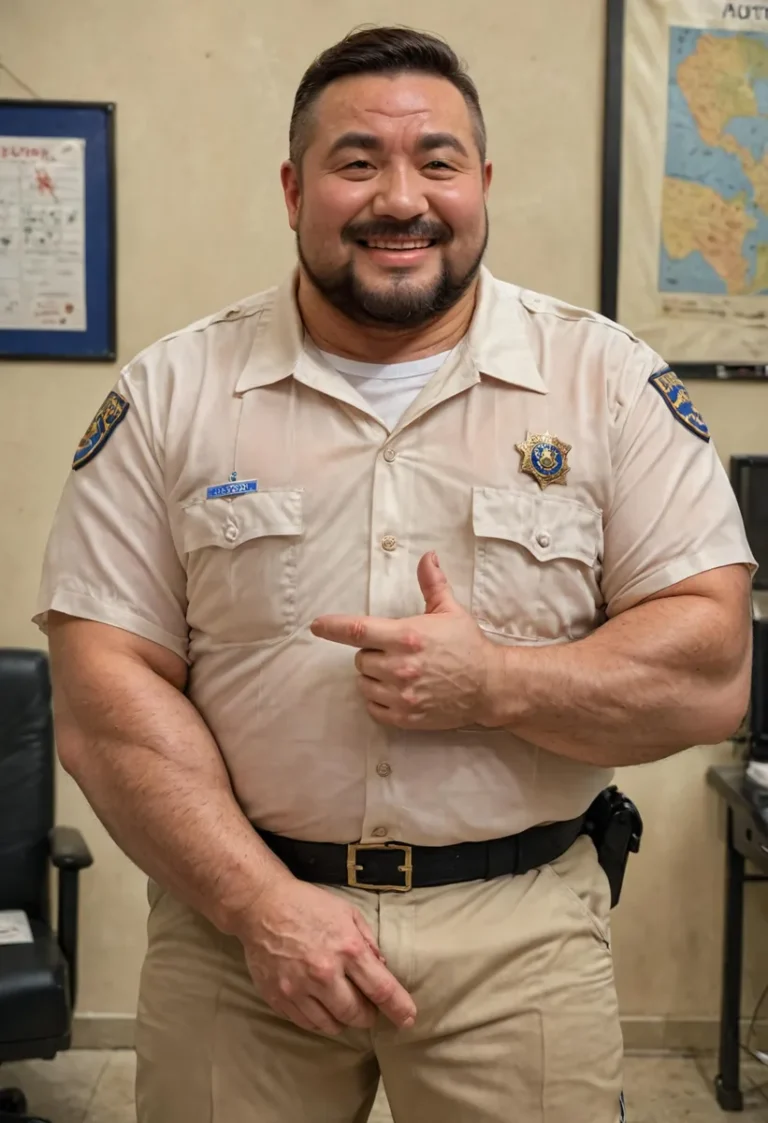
[389, 455]
[543, 540]
[389, 542]
[379, 832]
[384, 769]
[231, 533]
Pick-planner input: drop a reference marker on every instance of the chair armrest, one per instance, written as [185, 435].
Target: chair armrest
[69, 854]
[68, 848]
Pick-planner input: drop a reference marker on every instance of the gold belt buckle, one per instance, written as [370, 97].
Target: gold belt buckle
[352, 866]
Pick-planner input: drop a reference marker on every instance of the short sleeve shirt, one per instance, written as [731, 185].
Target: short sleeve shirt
[235, 487]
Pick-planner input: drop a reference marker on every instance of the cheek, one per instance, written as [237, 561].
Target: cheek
[330, 206]
[464, 212]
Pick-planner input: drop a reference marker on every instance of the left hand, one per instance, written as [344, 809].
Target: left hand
[423, 672]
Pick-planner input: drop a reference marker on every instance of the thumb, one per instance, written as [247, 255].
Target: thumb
[437, 593]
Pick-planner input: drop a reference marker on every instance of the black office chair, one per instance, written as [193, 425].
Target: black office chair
[37, 980]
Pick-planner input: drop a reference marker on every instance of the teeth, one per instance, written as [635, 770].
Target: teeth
[421, 245]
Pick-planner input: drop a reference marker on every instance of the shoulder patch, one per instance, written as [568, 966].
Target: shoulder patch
[677, 398]
[101, 429]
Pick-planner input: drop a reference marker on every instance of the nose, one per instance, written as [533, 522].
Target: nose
[400, 193]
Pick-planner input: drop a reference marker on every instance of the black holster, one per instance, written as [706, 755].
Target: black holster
[615, 827]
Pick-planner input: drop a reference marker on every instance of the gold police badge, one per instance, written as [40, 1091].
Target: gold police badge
[545, 458]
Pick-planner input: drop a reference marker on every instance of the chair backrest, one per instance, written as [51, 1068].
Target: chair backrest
[26, 780]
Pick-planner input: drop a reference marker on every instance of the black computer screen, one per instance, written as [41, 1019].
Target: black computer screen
[749, 476]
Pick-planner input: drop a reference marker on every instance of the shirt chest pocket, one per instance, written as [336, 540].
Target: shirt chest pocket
[537, 565]
[242, 558]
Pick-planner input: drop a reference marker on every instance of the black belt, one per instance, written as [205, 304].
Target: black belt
[398, 867]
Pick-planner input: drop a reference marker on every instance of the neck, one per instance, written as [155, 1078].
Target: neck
[332, 331]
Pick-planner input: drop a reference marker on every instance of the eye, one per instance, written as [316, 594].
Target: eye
[359, 164]
[439, 165]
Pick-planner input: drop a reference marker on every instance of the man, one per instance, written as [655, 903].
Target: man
[356, 595]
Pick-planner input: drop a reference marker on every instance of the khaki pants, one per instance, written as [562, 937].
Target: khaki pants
[517, 1013]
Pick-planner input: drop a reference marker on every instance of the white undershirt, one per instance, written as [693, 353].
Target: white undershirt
[388, 388]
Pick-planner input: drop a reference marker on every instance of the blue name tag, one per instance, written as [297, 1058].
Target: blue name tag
[223, 491]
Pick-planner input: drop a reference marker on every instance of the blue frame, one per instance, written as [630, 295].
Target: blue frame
[94, 123]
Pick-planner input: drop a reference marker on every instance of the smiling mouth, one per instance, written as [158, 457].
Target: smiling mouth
[383, 244]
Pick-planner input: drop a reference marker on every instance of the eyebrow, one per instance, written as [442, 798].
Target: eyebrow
[371, 143]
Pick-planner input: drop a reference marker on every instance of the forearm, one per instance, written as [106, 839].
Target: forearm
[153, 774]
[659, 678]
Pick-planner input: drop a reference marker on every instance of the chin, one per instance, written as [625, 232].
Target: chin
[414, 276]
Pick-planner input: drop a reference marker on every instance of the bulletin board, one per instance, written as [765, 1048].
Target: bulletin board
[57, 231]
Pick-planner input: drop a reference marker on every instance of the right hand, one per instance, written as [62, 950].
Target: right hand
[316, 961]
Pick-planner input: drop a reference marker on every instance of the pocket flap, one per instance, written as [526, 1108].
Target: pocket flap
[228, 523]
[547, 527]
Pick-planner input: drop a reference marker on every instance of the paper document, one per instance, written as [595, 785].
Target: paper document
[42, 233]
[14, 927]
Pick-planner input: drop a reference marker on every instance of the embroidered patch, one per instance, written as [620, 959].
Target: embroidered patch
[677, 398]
[101, 429]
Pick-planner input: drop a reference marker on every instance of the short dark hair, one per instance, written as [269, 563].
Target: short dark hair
[380, 50]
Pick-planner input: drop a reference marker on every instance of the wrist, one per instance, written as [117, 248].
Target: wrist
[505, 696]
[237, 915]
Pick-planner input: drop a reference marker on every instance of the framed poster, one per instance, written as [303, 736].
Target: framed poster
[685, 182]
[57, 231]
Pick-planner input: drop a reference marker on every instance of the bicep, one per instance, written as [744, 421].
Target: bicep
[729, 587]
[114, 692]
[78, 648]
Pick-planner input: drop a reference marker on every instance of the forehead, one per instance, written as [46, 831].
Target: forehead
[390, 105]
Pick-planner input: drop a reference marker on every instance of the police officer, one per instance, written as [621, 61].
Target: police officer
[357, 593]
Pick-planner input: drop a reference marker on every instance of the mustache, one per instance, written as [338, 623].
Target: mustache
[386, 228]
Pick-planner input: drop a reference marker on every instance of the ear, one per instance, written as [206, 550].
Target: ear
[487, 177]
[289, 178]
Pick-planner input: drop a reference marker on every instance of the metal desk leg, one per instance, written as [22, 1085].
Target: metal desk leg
[727, 1084]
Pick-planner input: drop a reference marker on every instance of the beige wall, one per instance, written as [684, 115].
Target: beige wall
[203, 92]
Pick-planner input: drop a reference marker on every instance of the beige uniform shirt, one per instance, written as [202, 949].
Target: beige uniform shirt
[343, 512]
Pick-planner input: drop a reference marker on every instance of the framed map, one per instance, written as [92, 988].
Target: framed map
[685, 182]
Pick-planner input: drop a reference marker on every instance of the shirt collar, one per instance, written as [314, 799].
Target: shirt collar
[497, 344]
[498, 339]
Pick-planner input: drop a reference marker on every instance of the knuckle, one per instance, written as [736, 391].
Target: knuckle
[357, 630]
[353, 947]
[321, 970]
[412, 641]
[405, 672]
[347, 1012]
[382, 990]
[286, 988]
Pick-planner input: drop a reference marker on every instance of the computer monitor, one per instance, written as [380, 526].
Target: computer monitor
[749, 477]
[757, 721]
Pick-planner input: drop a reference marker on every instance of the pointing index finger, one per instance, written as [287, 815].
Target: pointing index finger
[374, 632]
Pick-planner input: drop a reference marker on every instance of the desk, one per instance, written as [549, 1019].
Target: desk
[747, 840]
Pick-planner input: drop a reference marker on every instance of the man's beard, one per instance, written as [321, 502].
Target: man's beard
[403, 304]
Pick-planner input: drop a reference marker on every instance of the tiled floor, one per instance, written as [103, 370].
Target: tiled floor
[91, 1087]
